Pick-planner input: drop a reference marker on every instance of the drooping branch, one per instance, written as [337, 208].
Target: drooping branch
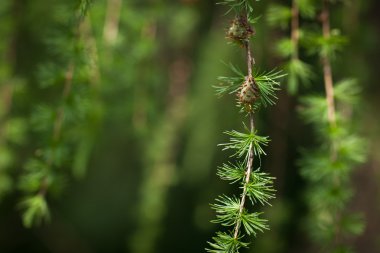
[79, 29]
[66, 91]
[250, 63]
[329, 89]
[325, 181]
[254, 90]
[58, 122]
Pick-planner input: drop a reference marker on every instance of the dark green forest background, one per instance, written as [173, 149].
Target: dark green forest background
[141, 171]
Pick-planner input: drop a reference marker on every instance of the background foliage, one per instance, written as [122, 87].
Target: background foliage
[135, 171]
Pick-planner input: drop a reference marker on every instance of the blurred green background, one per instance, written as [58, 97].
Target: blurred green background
[150, 174]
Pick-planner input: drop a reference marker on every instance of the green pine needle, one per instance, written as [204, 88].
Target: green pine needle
[229, 85]
[267, 82]
[307, 8]
[268, 85]
[347, 91]
[241, 143]
[279, 15]
[318, 166]
[35, 211]
[260, 188]
[325, 47]
[232, 172]
[227, 210]
[285, 48]
[314, 109]
[252, 223]
[228, 214]
[238, 5]
[353, 149]
[299, 72]
[225, 243]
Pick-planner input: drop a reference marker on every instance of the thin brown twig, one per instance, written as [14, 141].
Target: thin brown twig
[327, 72]
[250, 63]
[58, 122]
[247, 45]
[6, 89]
[111, 26]
[66, 91]
[6, 97]
[247, 179]
[92, 52]
[250, 59]
[329, 88]
[295, 29]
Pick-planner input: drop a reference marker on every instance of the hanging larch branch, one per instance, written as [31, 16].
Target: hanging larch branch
[288, 18]
[40, 174]
[253, 90]
[328, 168]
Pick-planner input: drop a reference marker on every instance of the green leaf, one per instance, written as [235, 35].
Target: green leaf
[35, 171]
[229, 85]
[260, 188]
[15, 130]
[317, 166]
[347, 91]
[232, 172]
[353, 149]
[6, 158]
[225, 243]
[84, 6]
[329, 198]
[35, 210]
[353, 224]
[241, 142]
[325, 47]
[253, 223]
[299, 72]
[285, 47]
[279, 15]
[238, 6]
[268, 84]
[307, 8]
[314, 109]
[227, 210]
